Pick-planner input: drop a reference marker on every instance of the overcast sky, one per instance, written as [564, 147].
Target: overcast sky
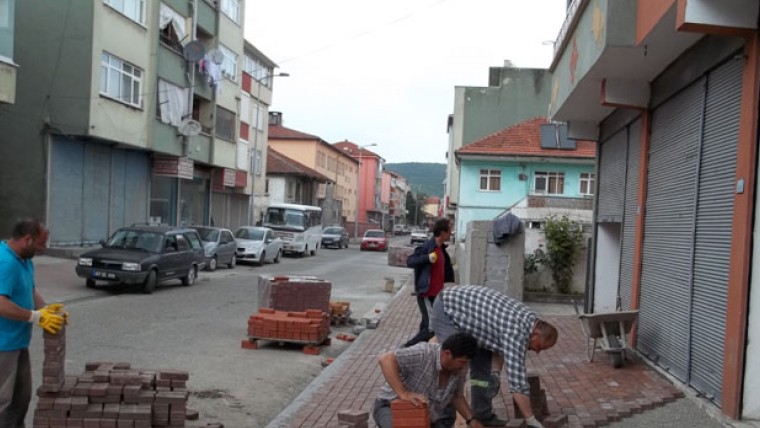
[384, 72]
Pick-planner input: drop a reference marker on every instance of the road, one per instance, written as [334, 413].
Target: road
[199, 329]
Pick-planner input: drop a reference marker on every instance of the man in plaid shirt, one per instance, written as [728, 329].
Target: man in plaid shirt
[502, 325]
[428, 373]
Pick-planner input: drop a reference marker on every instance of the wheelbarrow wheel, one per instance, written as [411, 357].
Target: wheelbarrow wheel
[616, 356]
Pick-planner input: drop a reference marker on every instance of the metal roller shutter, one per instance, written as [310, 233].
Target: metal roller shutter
[611, 178]
[65, 191]
[238, 211]
[664, 317]
[219, 209]
[96, 192]
[628, 238]
[712, 248]
[136, 187]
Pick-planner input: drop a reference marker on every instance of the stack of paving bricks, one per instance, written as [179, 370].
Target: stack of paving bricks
[294, 293]
[406, 415]
[107, 395]
[311, 327]
[538, 405]
[353, 418]
[397, 255]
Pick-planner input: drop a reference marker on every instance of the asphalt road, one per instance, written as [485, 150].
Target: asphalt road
[199, 329]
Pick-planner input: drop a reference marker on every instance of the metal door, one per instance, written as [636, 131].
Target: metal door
[612, 168]
[65, 191]
[630, 208]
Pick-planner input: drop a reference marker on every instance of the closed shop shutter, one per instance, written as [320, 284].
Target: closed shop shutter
[663, 332]
[628, 238]
[136, 187]
[219, 204]
[238, 211]
[96, 189]
[712, 247]
[612, 154]
[65, 191]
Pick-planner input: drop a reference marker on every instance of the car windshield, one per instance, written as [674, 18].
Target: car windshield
[374, 234]
[136, 240]
[285, 217]
[207, 234]
[255, 234]
[333, 231]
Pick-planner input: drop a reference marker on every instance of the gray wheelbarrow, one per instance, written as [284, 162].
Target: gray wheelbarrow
[610, 329]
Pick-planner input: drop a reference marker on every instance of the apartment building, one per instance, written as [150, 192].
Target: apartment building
[101, 134]
[7, 66]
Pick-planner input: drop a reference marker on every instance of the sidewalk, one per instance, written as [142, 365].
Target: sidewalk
[590, 394]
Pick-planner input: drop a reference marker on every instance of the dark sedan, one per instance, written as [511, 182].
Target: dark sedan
[335, 236]
[146, 256]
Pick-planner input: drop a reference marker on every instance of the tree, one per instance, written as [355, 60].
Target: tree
[563, 242]
[414, 214]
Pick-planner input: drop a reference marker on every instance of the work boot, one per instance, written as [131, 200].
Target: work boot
[493, 421]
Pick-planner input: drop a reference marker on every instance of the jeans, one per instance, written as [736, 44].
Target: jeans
[381, 413]
[423, 335]
[480, 366]
[15, 387]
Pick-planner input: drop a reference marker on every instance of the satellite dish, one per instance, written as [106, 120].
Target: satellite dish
[216, 55]
[194, 51]
[189, 127]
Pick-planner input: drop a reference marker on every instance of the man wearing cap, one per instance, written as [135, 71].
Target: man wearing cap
[500, 325]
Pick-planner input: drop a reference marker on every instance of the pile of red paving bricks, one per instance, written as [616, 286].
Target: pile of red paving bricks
[310, 327]
[294, 293]
[108, 395]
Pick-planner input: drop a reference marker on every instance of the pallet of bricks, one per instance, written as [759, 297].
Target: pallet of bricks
[108, 395]
[310, 327]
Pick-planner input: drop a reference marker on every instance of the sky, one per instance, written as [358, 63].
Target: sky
[384, 72]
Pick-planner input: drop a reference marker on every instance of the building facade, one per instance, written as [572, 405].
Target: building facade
[669, 89]
[8, 68]
[370, 209]
[291, 182]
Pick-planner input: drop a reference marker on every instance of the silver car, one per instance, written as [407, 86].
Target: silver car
[258, 244]
[218, 246]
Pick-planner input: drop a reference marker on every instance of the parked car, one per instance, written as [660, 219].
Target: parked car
[374, 239]
[335, 236]
[399, 229]
[418, 236]
[258, 244]
[145, 255]
[219, 246]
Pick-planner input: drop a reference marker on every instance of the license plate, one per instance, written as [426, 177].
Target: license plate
[104, 275]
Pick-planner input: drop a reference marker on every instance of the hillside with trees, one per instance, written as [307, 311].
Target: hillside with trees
[423, 178]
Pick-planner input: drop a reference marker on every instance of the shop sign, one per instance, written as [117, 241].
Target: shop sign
[170, 166]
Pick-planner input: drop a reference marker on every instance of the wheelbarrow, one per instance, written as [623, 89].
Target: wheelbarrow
[610, 328]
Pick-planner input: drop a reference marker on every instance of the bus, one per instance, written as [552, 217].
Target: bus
[299, 227]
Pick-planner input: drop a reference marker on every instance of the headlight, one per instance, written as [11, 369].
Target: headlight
[130, 266]
[85, 261]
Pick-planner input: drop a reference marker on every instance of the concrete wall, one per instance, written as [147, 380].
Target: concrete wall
[482, 262]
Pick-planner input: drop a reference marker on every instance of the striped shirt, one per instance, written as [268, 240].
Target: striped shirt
[419, 367]
[499, 324]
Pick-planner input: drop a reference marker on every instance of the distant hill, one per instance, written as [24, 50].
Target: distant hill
[423, 177]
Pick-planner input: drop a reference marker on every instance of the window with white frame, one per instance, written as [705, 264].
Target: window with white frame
[490, 180]
[231, 8]
[120, 80]
[259, 115]
[132, 9]
[587, 183]
[258, 70]
[549, 183]
[258, 165]
[229, 65]
[225, 124]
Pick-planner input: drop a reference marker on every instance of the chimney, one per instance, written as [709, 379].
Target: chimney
[275, 118]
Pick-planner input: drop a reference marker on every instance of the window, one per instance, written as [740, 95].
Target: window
[182, 244]
[225, 124]
[587, 183]
[550, 183]
[120, 80]
[258, 70]
[490, 180]
[132, 9]
[231, 8]
[258, 162]
[229, 65]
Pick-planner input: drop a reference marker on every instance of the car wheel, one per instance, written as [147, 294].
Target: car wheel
[189, 279]
[90, 283]
[263, 258]
[232, 262]
[314, 251]
[277, 257]
[212, 264]
[150, 282]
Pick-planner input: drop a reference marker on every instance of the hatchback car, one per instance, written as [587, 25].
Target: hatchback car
[257, 244]
[335, 236]
[374, 239]
[144, 255]
[219, 246]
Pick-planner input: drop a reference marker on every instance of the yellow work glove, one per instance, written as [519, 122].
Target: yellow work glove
[57, 308]
[47, 320]
[433, 257]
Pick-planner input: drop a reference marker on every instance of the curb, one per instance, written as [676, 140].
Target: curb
[283, 419]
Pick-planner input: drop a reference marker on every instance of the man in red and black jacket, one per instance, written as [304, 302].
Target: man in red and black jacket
[432, 267]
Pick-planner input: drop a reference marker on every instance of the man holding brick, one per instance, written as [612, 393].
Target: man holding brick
[500, 325]
[432, 268]
[18, 300]
[429, 374]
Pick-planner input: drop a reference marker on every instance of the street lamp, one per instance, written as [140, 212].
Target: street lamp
[358, 187]
[260, 83]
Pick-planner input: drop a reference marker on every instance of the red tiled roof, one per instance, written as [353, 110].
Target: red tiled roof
[283, 133]
[278, 163]
[524, 139]
[352, 149]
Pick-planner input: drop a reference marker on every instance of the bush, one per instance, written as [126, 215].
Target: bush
[564, 239]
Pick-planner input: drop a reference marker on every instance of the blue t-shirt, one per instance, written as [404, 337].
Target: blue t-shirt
[17, 284]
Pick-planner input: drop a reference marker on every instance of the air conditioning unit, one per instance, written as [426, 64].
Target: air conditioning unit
[522, 176]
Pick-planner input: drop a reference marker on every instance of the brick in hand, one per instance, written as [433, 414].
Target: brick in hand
[407, 415]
